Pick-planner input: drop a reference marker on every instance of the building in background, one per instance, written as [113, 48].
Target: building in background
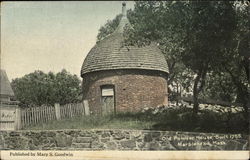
[118, 78]
[9, 110]
[6, 92]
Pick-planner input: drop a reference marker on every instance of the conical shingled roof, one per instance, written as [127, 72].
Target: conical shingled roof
[5, 88]
[110, 54]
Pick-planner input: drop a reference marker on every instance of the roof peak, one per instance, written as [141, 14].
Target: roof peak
[5, 84]
[124, 10]
[110, 53]
[124, 20]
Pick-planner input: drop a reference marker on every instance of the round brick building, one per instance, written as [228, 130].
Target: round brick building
[118, 78]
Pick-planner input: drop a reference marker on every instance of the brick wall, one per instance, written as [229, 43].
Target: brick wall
[134, 89]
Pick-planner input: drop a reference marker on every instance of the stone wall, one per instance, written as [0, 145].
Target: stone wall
[134, 89]
[120, 140]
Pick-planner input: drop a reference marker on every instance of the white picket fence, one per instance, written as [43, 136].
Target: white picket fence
[71, 110]
[36, 115]
[43, 114]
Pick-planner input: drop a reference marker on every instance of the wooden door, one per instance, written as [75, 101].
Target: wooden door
[107, 100]
[107, 105]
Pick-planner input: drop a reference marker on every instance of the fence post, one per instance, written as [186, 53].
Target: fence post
[82, 109]
[70, 110]
[18, 118]
[57, 110]
[86, 107]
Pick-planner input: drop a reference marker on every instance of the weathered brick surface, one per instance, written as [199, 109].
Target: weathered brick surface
[134, 89]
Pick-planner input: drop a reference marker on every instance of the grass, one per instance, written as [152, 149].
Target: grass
[94, 122]
[172, 119]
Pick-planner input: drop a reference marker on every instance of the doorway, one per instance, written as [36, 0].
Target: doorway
[107, 99]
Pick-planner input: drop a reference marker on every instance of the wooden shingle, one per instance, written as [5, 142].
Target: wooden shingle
[110, 54]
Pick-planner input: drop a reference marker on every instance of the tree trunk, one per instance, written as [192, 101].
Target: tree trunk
[246, 105]
[243, 93]
[195, 95]
[197, 89]
[177, 97]
[244, 99]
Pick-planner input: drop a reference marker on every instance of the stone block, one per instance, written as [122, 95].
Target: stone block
[82, 140]
[154, 146]
[63, 140]
[72, 133]
[119, 135]
[147, 138]
[50, 134]
[155, 134]
[97, 145]
[85, 133]
[167, 146]
[111, 146]
[1, 142]
[136, 134]
[234, 145]
[128, 144]
[104, 140]
[105, 134]
[81, 145]
[14, 134]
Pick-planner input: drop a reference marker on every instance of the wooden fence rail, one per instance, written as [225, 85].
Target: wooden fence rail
[36, 115]
[71, 110]
[43, 114]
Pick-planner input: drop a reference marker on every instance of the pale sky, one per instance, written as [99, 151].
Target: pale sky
[50, 36]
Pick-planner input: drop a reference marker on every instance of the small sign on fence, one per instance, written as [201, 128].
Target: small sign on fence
[9, 117]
